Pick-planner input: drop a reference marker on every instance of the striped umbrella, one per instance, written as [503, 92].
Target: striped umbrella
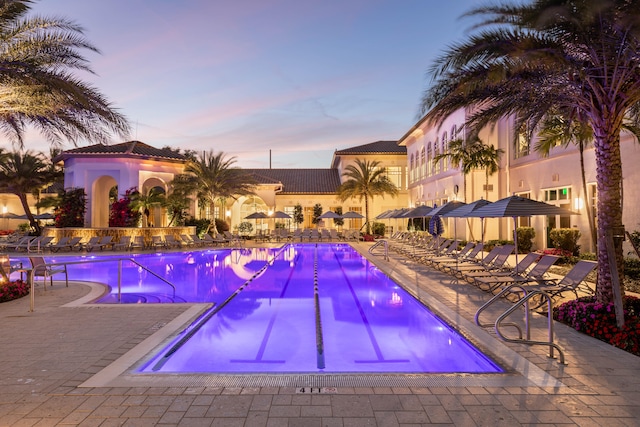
[516, 206]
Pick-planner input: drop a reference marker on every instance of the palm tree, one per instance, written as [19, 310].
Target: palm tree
[552, 55]
[212, 176]
[365, 180]
[559, 130]
[145, 202]
[22, 174]
[37, 59]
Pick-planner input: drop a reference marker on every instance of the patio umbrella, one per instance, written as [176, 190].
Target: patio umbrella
[280, 215]
[514, 207]
[421, 211]
[257, 216]
[351, 215]
[39, 216]
[466, 210]
[329, 215]
[446, 208]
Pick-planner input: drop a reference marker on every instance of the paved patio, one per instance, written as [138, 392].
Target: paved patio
[67, 364]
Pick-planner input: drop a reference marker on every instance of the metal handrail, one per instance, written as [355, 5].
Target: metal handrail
[381, 243]
[524, 302]
[119, 260]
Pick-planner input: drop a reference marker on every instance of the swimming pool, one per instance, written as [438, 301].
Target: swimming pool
[303, 308]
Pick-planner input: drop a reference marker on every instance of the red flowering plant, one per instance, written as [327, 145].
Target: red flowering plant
[13, 290]
[121, 214]
[599, 321]
[566, 257]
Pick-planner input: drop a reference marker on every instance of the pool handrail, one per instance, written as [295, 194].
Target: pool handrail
[119, 260]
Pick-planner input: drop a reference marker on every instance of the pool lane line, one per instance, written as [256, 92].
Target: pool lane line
[316, 301]
[365, 321]
[205, 318]
[269, 330]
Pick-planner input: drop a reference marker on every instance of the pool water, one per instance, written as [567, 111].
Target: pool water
[302, 308]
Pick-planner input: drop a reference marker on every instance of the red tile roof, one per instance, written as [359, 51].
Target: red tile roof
[300, 181]
[131, 148]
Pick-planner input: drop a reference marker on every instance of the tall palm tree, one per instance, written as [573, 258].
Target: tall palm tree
[531, 58]
[37, 58]
[365, 180]
[212, 176]
[22, 173]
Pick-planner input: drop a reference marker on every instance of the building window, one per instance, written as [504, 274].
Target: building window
[423, 164]
[394, 173]
[412, 172]
[524, 221]
[523, 143]
[429, 160]
[557, 194]
[436, 153]
[443, 149]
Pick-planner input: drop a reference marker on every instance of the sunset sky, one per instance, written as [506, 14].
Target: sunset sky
[301, 78]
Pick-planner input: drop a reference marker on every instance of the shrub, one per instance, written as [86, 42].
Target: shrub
[566, 238]
[632, 268]
[566, 257]
[589, 256]
[377, 228]
[599, 321]
[202, 225]
[70, 212]
[245, 228]
[497, 242]
[13, 290]
[525, 238]
[121, 214]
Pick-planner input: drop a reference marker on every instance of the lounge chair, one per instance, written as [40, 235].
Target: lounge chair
[450, 256]
[62, 243]
[520, 269]
[104, 242]
[537, 273]
[333, 233]
[197, 241]
[498, 265]
[92, 243]
[124, 244]
[232, 238]
[138, 243]
[473, 264]
[171, 241]
[69, 245]
[41, 269]
[573, 281]
[158, 242]
[187, 241]
[23, 244]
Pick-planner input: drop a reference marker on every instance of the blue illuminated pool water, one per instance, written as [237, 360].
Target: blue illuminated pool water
[300, 309]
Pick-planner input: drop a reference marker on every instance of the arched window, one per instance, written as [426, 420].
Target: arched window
[429, 159]
[423, 164]
[436, 153]
[412, 171]
[444, 147]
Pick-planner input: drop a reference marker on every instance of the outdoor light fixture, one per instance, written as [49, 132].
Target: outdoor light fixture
[578, 203]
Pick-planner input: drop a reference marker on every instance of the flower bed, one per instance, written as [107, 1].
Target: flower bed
[13, 290]
[599, 321]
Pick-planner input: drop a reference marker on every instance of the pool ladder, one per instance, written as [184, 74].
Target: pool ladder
[522, 302]
[380, 244]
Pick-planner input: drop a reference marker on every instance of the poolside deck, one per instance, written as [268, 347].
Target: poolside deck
[48, 354]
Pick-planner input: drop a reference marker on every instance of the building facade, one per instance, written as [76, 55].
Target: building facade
[555, 179]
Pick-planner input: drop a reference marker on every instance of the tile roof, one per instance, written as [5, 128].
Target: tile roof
[131, 148]
[300, 181]
[378, 147]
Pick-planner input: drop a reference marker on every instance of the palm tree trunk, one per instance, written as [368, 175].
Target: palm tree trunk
[587, 204]
[366, 213]
[609, 208]
[27, 211]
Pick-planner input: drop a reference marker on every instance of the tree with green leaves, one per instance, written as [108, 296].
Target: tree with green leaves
[540, 56]
[39, 89]
[145, 202]
[364, 180]
[558, 130]
[213, 176]
[298, 215]
[317, 211]
[23, 173]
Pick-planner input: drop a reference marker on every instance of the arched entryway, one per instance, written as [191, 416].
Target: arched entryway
[100, 203]
[157, 214]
